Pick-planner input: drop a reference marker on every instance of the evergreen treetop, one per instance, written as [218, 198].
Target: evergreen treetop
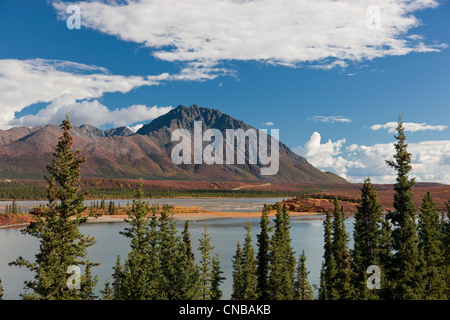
[404, 273]
[61, 243]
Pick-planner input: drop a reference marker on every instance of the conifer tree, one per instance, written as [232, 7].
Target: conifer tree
[61, 243]
[367, 234]
[118, 276]
[341, 255]
[263, 243]
[249, 276]
[216, 279]
[89, 283]
[327, 290]
[205, 249]
[282, 259]
[107, 292]
[187, 240]
[303, 290]
[404, 272]
[431, 247]
[238, 287]
[179, 278]
[322, 288]
[445, 236]
[385, 254]
[142, 265]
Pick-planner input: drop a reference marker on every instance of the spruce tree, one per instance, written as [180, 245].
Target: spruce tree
[205, 249]
[179, 277]
[341, 255]
[303, 290]
[367, 234]
[111, 207]
[118, 277]
[385, 254]
[445, 236]
[323, 288]
[327, 290]
[238, 287]
[216, 279]
[107, 292]
[282, 259]
[263, 243]
[62, 245]
[187, 240]
[249, 276]
[141, 269]
[431, 247]
[89, 283]
[404, 272]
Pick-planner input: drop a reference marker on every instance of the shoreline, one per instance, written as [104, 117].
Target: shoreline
[164, 198]
[208, 215]
[204, 216]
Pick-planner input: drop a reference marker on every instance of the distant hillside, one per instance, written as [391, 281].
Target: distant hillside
[119, 153]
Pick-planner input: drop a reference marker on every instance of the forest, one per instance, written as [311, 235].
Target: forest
[15, 190]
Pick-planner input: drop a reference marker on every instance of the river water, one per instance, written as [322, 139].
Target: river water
[306, 233]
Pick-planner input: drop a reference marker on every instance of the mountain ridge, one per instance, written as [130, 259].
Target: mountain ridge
[120, 153]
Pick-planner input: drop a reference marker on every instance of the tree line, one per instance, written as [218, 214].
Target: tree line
[21, 191]
[410, 250]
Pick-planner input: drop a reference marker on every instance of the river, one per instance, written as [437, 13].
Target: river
[306, 233]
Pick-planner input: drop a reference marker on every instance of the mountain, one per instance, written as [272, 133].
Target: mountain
[120, 153]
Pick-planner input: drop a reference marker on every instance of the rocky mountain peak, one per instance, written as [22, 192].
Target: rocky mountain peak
[184, 117]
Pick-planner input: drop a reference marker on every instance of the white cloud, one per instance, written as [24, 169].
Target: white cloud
[331, 65]
[327, 155]
[25, 82]
[321, 34]
[330, 119]
[430, 159]
[268, 124]
[408, 126]
[136, 127]
[89, 112]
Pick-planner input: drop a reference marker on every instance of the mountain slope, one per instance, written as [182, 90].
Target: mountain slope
[118, 153]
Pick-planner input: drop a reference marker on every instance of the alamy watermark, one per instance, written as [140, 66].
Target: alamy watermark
[373, 21]
[73, 282]
[374, 280]
[213, 152]
[74, 20]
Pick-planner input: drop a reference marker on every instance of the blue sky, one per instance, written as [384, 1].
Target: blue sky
[320, 75]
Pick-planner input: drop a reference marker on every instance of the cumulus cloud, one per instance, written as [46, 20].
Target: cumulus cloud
[322, 34]
[26, 82]
[268, 124]
[89, 112]
[408, 126]
[327, 156]
[330, 119]
[430, 159]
